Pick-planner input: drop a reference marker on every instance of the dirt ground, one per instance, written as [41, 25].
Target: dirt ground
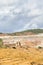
[21, 56]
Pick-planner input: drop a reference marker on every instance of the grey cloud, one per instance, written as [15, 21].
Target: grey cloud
[20, 13]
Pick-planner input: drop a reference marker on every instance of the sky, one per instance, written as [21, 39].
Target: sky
[19, 15]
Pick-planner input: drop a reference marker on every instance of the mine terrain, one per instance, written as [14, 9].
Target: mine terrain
[21, 50]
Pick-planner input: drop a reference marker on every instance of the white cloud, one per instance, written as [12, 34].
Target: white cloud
[35, 12]
[17, 7]
[34, 26]
[7, 2]
[17, 10]
[28, 12]
[36, 22]
[31, 25]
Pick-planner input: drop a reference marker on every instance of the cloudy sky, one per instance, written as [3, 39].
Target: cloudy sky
[18, 15]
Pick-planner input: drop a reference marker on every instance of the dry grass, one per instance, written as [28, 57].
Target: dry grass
[21, 56]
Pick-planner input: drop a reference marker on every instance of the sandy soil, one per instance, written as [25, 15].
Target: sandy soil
[21, 56]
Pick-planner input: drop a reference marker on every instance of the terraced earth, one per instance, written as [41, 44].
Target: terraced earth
[21, 56]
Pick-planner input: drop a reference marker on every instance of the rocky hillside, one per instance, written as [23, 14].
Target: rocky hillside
[25, 32]
[28, 32]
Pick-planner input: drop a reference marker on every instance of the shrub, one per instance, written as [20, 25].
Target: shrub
[1, 42]
[40, 47]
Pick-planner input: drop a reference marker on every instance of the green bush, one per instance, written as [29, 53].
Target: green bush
[1, 42]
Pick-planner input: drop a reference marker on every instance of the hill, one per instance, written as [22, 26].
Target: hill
[28, 32]
[25, 32]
